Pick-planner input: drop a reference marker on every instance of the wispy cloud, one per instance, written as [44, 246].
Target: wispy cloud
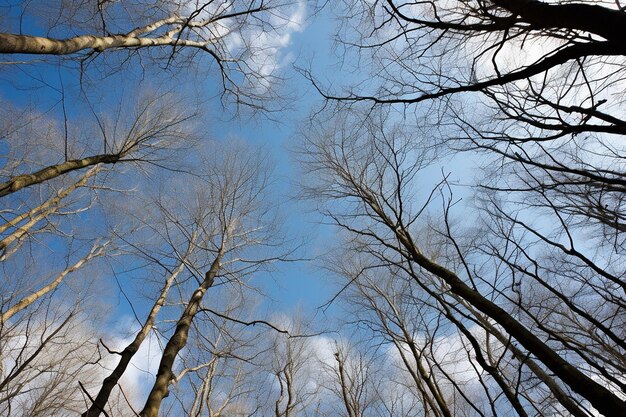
[255, 43]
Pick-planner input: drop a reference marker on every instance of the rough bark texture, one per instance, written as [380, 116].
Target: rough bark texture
[610, 24]
[127, 354]
[26, 44]
[601, 398]
[160, 389]
[598, 396]
[26, 180]
[96, 250]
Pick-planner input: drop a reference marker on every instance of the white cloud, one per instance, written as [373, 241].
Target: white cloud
[140, 373]
[257, 41]
[267, 47]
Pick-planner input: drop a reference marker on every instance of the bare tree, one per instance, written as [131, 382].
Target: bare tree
[487, 40]
[66, 184]
[525, 86]
[353, 379]
[232, 225]
[51, 218]
[110, 382]
[157, 124]
[45, 350]
[234, 38]
[294, 371]
[225, 369]
[537, 78]
[371, 174]
[25, 302]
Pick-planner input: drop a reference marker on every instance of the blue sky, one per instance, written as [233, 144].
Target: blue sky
[295, 285]
[302, 284]
[307, 44]
[114, 293]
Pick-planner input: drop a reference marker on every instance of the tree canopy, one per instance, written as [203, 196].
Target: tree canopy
[448, 177]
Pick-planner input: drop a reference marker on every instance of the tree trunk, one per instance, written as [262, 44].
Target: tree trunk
[177, 342]
[25, 44]
[599, 20]
[46, 206]
[96, 250]
[127, 354]
[598, 395]
[26, 180]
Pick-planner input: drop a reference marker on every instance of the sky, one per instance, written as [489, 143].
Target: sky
[306, 41]
[300, 287]
[301, 284]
